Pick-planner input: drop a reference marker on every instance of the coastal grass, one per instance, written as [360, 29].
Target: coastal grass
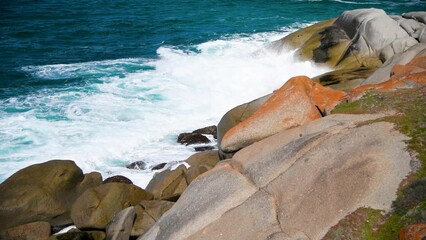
[410, 119]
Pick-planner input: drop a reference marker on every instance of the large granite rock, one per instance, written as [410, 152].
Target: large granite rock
[383, 73]
[297, 102]
[357, 38]
[43, 192]
[96, 207]
[293, 185]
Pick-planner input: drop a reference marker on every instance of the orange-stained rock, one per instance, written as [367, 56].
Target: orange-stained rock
[299, 101]
[404, 76]
[413, 232]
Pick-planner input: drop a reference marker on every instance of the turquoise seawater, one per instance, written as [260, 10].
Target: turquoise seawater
[106, 83]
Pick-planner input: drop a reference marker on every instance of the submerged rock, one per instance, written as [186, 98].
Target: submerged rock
[140, 165]
[43, 192]
[192, 138]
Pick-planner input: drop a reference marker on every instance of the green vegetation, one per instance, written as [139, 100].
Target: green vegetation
[410, 119]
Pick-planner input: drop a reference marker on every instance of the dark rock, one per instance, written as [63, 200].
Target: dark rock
[79, 235]
[192, 138]
[118, 179]
[203, 148]
[30, 231]
[159, 166]
[58, 228]
[43, 192]
[121, 225]
[140, 165]
[212, 130]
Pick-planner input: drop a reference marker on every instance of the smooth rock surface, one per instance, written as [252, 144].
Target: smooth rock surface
[147, 214]
[121, 225]
[297, 102]
[97, 206]
[295, 184]
[168, 183]
[43, 192]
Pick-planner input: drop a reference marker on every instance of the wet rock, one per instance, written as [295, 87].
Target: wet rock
[29, 231]
[344, 79]
[211, 130]
[159, 166]
[121, 225]
[97, 206]
[203, 148]
[192, 138]
[118, 179]
[140, 165]
[43, 192]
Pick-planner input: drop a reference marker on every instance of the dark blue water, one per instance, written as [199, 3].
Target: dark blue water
[106, 83]
[52, 32]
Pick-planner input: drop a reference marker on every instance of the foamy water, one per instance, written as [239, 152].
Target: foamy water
[130, 110]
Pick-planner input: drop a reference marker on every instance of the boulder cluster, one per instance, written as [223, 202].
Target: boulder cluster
[287, 167]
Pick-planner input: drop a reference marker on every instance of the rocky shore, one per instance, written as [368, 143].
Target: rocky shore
[338, 156]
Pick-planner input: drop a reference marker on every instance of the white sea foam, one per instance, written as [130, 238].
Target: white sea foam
[122, 117]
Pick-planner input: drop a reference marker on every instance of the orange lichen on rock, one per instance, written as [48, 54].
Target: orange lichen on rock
[404, 76]
[413, 232]
[299, 101]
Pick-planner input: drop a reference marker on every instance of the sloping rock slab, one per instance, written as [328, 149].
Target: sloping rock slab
[295, 184]
[299, 101]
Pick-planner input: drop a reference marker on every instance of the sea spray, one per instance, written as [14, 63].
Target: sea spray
[128, 110]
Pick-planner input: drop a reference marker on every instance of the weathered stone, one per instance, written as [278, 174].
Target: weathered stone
[119, 179]
[194, 172]
[148, 213]
[43, 192]
[192, 138]
[203, 202]
[298, 38]
[328, 45]
[97, 206]
[29, 231]
[413, 74]
[418, 16]
[383, 73]
[295, 184]
[140, 165]
[259, 221]
[209, 158]
[168, 183]
[413, 232]
[211, 130]
[344, 79]
[121, 225]
[237, 115]
[297, 102]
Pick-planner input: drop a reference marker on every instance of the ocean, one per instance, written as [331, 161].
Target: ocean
[108, 83]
